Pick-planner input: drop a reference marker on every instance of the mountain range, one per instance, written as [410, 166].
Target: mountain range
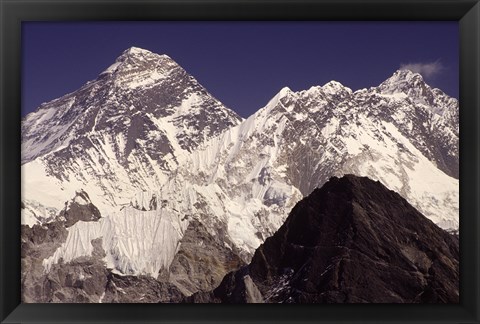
[140, 166]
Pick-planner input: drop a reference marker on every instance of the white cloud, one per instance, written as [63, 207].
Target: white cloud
[427, 70]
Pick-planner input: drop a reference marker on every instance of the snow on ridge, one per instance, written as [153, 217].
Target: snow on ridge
[142, 51]
[284, 91]
[137, 50]
[409, 173]
[333, 87]
[407, 74]
[139, 56]
[401, 81]
[112, 68]
[34, 213]
[81, 198]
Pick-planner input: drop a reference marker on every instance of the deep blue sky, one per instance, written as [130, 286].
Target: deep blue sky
[243, 64]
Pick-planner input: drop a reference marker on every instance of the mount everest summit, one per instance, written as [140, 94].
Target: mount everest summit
[159, 163]
[122, 133]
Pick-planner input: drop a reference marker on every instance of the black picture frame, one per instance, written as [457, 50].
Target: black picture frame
[14, 12]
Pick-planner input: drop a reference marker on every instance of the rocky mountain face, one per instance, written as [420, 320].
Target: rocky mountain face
[352, 241]
[432, 109]
[174, 189]
[201, 261]
[37, 243]
[122, 133]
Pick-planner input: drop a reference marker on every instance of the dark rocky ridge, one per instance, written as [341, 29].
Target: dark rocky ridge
[352, 241]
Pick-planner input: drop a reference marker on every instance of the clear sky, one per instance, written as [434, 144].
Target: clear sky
[243, 64]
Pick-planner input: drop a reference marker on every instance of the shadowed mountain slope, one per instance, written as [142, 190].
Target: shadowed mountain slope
[352, 241]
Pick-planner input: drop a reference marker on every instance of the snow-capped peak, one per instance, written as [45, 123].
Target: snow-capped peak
[283, 92]
[136, 60]
[406, 74]
[402, 81]
[136, 50]
[139, 53]
[333, 87]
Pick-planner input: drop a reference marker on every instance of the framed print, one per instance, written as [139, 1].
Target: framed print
[193, 161]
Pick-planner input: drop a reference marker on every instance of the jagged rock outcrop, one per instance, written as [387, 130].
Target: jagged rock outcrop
[201, 261]
[80, 208]
[352, 241]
